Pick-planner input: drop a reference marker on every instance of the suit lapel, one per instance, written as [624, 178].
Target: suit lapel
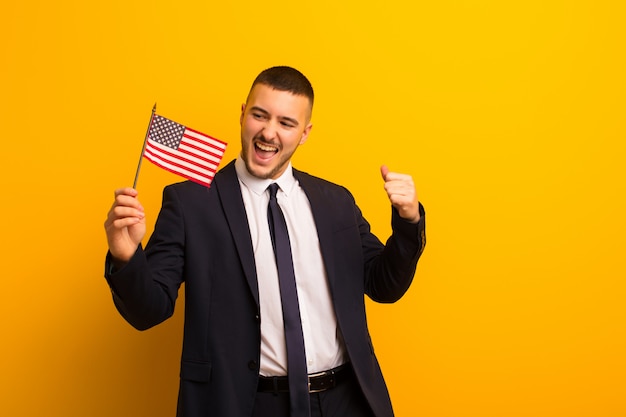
[226, 184]
[322, 217]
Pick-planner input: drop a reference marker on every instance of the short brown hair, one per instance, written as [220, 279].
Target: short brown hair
[285, 78]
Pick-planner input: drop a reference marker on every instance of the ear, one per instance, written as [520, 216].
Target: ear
[305, 133]
[243, 110]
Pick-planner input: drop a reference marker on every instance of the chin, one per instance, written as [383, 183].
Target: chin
[260, 171]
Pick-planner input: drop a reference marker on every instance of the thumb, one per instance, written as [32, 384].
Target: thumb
[384, 171]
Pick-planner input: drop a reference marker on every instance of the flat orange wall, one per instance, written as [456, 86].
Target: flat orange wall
[510, 115]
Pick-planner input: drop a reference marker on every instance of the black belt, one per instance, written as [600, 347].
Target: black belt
[318, 382]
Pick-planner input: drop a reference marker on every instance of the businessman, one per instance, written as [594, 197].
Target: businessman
[276, 264]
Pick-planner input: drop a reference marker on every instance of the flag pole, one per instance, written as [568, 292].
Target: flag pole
[143, 148]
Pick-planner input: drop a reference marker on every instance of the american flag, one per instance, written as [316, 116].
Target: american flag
[183, 151]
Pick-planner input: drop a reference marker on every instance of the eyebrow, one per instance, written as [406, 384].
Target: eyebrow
[265, 112]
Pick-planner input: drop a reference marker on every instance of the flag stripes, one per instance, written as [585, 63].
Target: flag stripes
[183, 151]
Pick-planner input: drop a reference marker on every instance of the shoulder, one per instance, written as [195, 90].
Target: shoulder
[186, 195]
[185, 188]
[319, 188]
[307, 180]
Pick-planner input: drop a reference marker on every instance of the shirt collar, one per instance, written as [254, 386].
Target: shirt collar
[286, 181]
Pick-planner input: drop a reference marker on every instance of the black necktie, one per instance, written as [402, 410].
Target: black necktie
[296, 358]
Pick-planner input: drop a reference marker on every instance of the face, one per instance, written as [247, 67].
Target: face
[273, 124]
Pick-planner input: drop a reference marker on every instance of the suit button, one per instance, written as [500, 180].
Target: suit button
[253, 365]
[257, 318]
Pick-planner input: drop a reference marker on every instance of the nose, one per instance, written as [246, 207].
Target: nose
[270, 130]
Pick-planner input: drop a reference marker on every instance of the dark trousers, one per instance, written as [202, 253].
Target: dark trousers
[346, 399]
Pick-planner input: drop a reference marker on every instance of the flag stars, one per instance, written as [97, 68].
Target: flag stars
[166, 132]
[183, 151]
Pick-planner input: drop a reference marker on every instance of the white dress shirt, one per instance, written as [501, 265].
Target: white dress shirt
[322, 339]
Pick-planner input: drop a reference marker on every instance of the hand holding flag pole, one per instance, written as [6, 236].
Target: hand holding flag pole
[181, 150]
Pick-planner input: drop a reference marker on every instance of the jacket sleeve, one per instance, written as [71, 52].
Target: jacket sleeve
[389, 272]
[145, 289]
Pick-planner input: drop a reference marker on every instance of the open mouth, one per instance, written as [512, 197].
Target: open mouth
[264, 150]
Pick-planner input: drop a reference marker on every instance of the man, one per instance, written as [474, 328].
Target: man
[223, 242]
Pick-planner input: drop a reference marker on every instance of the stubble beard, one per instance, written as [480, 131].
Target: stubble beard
[282, 163]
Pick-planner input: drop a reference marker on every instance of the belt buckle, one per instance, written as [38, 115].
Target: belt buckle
[330, 373]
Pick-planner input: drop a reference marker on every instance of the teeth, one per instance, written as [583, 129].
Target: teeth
[266, 148]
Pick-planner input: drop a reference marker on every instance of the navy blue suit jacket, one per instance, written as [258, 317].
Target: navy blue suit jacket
[201, 238]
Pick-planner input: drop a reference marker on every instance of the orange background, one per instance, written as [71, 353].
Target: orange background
[509, 115]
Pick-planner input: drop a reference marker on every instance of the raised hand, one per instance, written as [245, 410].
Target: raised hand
[401, 192]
